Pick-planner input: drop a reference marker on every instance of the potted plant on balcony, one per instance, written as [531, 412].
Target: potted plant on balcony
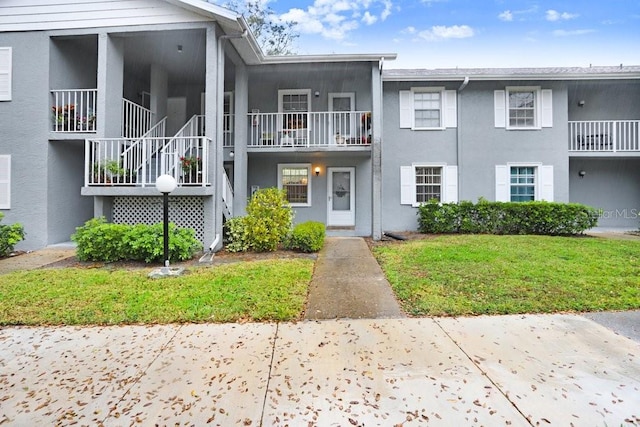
[191, 169]
[64, 117]
[111, 172]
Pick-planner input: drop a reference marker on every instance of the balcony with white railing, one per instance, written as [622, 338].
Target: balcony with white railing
[604, 136]
[323, 130]
[74, 110]
[129, 162]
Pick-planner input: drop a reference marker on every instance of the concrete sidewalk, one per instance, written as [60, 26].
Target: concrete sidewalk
[505, 370]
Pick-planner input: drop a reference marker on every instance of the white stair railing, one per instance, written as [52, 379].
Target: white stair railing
[136, 120]
[139, 155]
[182, 157]
[227, 195]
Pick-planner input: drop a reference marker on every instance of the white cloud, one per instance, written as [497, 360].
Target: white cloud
[554, 15]
[440, 32]
[409, 30]
[335, 19]
[565, 33]
[506, 16]
[369, 19]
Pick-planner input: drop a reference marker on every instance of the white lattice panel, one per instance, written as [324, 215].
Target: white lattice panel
[185, 212]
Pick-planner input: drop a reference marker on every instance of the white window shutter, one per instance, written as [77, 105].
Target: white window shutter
[406, 109]
[451, 184]
[547, 108]
[500, 108]
[407, 185]
[5, 74]
[5, 182]
[503, 189]
[450, 109]
[546, 183]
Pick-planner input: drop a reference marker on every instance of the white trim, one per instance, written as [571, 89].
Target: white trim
[350, 95]
[428, 89]
[407, 185]
[5, 181]
[499, 109]
[406, 109]
[5, 73]
[546, 99]
[341, 218]
[448, 184]
[300, 166]
[537, 107]
[283, 92]
[450, 108]
[543, 183]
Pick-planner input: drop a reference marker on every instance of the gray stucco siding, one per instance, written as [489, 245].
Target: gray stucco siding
[25, 122]
[263, 172]
[612, 185]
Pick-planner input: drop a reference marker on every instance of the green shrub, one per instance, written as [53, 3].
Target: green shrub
[306, 237]
[146, 243]
[98, 240]
[506, 218]
[9, 236]
[268, 219]
[236, 233]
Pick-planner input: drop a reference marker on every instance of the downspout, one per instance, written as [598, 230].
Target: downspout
[219, 133]
[458, 138]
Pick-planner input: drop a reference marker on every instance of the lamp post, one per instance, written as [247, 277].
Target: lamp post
[166, 184]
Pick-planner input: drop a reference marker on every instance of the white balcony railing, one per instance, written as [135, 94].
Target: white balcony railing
[319, 129]
[74, 110]
[604, 136]
[227, 130]
[185, 158]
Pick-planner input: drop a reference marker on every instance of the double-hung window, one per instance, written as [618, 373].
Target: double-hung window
[523, 107]
[428, 108]
[295, 180]
[420, 183]
[524, 182]
[428, 183]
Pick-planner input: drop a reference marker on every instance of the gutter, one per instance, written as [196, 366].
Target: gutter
[458, 138]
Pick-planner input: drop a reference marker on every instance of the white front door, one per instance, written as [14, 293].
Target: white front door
[341, 197]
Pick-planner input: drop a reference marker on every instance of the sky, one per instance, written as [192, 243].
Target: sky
[470, 33]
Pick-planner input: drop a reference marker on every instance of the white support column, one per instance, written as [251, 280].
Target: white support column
[240, 160]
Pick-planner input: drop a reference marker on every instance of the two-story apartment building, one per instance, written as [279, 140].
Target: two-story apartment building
[99, 98]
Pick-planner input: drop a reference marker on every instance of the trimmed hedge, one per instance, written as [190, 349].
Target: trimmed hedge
[546, 218]
[306, 237]
[98, 240]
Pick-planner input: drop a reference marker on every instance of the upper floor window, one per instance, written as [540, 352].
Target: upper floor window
[294, 179]
[428, 108]
[5, 74]
[528, 107]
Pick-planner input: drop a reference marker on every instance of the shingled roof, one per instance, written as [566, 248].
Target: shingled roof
[545, 73]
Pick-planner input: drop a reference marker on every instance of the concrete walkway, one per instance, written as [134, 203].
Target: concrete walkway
[505, 370]
[348, 283]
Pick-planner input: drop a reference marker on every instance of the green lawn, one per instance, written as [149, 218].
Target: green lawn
[271, 290]
[482, 274]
